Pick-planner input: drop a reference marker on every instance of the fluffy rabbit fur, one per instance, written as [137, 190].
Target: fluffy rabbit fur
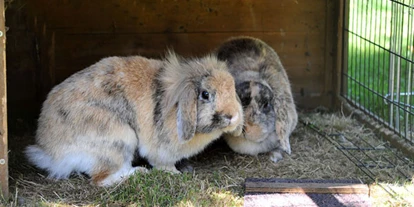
[164, 110]
[265, 92]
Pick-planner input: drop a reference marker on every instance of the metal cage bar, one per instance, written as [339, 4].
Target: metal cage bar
[380, 62]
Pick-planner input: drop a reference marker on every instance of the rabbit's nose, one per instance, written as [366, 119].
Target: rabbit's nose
[227, 117]
[234, 119]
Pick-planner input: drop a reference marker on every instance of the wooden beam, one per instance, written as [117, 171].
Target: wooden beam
[4, 173]
[342, 53]
[299, 187]
[330, 58]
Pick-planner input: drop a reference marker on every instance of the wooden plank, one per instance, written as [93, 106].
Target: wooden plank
[295, 51]
[293, 48]
[330, 47]
[21, 64]
[279, 187]
[339, 53]
[23, 101]
[4, 171]
[302, 58]
[159, 16]
[342, 87]
[70, 35]
[311, 100]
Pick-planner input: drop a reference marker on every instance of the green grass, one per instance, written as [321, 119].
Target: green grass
[374, 73]
[156, 188]
[164, 189]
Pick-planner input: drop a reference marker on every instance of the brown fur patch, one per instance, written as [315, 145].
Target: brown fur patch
[227, 93]
[253, 131]
[100, 176]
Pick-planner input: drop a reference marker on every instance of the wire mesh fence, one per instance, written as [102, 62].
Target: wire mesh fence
[378, 70]
[379, 162]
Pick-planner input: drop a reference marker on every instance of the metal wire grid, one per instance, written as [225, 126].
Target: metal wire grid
[369, 158]
[377, 74]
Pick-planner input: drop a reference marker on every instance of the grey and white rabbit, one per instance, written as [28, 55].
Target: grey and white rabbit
[165, 110]
[263, 86]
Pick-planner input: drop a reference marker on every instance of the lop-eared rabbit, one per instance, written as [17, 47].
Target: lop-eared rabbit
[263, 86]
[99, 118]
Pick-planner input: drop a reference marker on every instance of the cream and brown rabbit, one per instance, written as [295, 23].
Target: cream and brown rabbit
[99, 118]
[263, 86]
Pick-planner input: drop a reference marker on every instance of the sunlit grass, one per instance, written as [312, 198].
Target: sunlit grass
[159, 188]
[397, 195]
[379, 76]
[379, 20]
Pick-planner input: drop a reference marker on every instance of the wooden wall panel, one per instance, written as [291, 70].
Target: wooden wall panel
[160, 16]
[74, 52]
[68, 35]
[22, 62]
[294, 53]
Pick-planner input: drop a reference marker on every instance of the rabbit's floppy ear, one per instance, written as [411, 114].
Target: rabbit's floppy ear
[187, 114]
[180, 93]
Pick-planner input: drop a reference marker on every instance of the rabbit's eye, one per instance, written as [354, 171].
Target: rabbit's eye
[266, 107]
[245, 101]
[205, 95]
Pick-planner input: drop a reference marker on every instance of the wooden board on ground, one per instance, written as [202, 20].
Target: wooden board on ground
[304, 186]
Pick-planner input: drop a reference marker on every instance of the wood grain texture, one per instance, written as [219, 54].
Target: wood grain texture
[74, 52]
[23, 63]
[342, 57]
[4, 171]
[53, 39]
[159, 16]
[334, 188]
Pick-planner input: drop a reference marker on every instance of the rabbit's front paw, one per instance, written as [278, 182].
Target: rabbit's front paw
[276, 155]
[171, 169]
[122, 174]
[184, 166]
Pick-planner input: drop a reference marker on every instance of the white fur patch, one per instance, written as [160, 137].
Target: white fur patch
[62, 168]
[122, 174]
[276, 155]
[245, 146]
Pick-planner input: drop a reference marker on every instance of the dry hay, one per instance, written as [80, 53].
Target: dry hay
[313, 157]
[384, 163]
